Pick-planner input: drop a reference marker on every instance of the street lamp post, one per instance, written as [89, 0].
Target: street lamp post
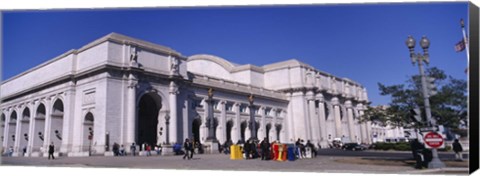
[419, 58]
[253, 130]
[211, 120]
[167, 123]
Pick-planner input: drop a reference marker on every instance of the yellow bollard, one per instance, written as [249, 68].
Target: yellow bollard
[235, 152]
[280, 152]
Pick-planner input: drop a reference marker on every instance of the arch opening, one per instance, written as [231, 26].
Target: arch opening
[229, 130]
[267, 131]
[196, 129]
[12, 125]
[24, 131]
[2, 128]
[38, 135]
[88, 131]
[243, 127]
[56, 124]
[147, 120]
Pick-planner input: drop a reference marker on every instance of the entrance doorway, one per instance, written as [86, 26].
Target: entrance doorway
[243, 127]
[148, 109]
[196, 129]
[229, 130]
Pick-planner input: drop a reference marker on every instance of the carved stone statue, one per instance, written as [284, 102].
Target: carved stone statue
[250, 98]
[133, 55]
[210, 92]
[174, 65]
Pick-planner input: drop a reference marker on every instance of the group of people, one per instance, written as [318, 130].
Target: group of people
[423, 155]
[301, 149]
[189, 149]
[250, 149]
[225, 147]
[120, 151]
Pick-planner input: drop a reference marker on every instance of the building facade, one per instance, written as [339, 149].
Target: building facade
[122, 90]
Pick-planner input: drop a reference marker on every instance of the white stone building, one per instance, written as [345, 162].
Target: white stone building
[387, 133]
[125, 90]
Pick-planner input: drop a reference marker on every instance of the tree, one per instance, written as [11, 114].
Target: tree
[448, 106]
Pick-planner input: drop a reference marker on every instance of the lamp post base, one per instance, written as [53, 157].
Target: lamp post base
[212, 145]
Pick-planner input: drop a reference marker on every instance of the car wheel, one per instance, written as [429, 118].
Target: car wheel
[353, 149]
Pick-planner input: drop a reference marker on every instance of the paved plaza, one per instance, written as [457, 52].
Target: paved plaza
[330, 164]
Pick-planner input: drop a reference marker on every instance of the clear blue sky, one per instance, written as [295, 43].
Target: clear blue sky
[365, 43]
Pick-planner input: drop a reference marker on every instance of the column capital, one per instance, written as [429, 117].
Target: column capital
[348, 104]
[173, 88]
[335, 101]
[310, 95]
[132, 84]
[319, 97]
[298, 93]
[236, 104]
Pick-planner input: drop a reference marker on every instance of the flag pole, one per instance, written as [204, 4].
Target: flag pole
[468, 58]
[465, 41]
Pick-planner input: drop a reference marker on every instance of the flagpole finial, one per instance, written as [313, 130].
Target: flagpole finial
[462, 23]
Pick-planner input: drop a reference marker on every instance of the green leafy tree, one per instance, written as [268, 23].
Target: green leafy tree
[448, 106]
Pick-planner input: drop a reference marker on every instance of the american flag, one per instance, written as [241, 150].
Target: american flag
[460, 46]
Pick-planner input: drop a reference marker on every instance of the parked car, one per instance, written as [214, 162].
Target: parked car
[353, 146]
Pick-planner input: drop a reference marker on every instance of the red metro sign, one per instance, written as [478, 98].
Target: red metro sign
[433, 140]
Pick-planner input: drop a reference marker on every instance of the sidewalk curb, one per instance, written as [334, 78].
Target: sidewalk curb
[452, 169]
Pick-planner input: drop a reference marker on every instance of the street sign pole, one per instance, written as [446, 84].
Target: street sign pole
[419, 58]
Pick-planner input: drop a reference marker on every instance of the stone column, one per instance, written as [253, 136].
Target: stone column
[299, 115]
[368, 130]
[338, 122]
[68, 113]
[31, 133]
[262, 129]
[273, 131]
[283, 136]
[222, 125]
[248, 132]
[289, 121]
[363, 125]
[351, 128]
[173, 112]
[322, 122]
[4, 134]
[48, 120]
[313, 119]
[237, 124]
[18, 131]
[131, 108]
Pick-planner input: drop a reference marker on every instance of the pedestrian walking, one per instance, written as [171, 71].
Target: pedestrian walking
[417, 149]
[265, 147]
[133, 148]
[51, 149]
[115, 149]
[158, 149]
[10, 151]
[187, 146]
[312, 148]
[457, 148]
[192, 149]
[246, 149]
[122, 150]
[148, 149]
